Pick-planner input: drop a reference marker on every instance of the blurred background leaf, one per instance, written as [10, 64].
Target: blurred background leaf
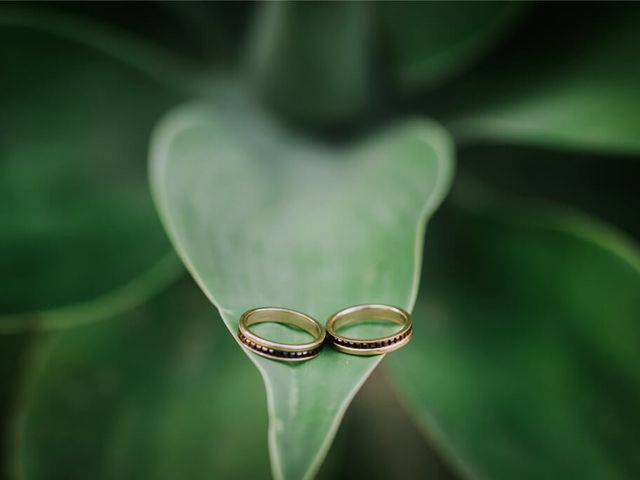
[77, 222]
[312, 60]
[566, 86]
[590, 183]
[379, 440]
[272, 219]
[209, 33]
[159, 392]
[15, 362]
[431, 41]
[525, 361]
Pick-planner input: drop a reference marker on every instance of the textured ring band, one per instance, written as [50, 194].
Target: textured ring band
[373, 346]
[291, 352]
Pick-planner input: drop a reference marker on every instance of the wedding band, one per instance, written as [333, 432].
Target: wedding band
[291, 352]
[373, 346]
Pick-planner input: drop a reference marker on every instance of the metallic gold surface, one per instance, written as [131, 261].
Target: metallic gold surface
[288, 352]
[373, 346]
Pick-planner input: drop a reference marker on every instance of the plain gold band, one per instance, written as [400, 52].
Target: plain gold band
[290, 352]
[373, 346]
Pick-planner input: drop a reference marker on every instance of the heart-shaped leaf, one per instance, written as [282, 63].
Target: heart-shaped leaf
[77, 224]
[158, 393]
[582, 95]
[527, 363]
[431, 41]
[262, 217]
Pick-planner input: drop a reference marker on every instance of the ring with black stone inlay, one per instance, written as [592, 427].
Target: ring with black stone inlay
[289, 352]
[373, 346]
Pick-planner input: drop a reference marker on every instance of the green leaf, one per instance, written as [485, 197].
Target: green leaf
[585, 182]
[311, 59]
[582, 95]
[157, 393]
[15, 358]
[78, 233]
[262, 217]
[378, 439]
[525, 360]
[431, 41]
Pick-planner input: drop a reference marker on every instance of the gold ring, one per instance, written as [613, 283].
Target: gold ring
[373, 346]
[292, 352]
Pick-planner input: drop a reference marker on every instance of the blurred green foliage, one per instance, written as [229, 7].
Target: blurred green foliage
[132, 398]
[77, 218]
[525, 359]
[578, 91]
[312, 60]
[429, 42]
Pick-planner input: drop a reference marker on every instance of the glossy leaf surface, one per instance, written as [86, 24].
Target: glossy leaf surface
[262, 217]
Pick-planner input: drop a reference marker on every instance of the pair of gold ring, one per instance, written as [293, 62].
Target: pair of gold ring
[305, 351]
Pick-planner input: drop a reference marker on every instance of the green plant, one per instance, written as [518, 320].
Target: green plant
[302, 173]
